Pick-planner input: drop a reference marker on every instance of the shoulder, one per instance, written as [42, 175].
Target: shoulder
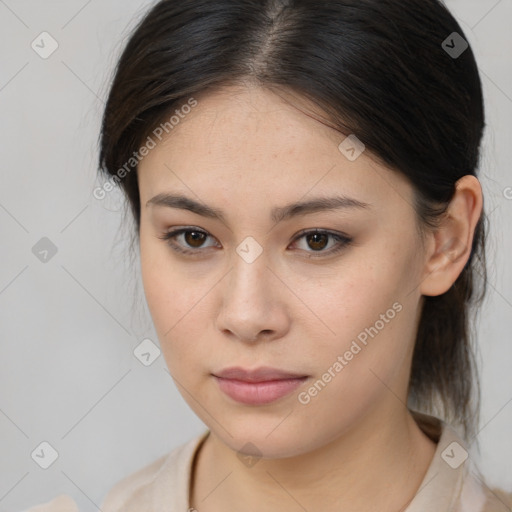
[497, 500]
[156, 482]
[163, 481]
[476, 495]
[137, 483]
[61, 503]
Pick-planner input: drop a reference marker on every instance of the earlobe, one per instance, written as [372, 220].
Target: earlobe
[452, 240]
[444, 265]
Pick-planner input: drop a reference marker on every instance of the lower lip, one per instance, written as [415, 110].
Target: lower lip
[258, 393]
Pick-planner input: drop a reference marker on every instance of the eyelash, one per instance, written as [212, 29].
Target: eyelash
[343, 241]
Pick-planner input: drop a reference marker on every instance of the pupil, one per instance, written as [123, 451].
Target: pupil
[321, 235]
[195, 238]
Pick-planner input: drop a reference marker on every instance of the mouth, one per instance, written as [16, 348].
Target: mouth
[257, 387]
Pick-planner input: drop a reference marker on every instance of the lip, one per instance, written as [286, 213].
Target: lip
[257, 387]
[262, 374]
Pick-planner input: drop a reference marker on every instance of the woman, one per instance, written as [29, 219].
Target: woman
[302, 176]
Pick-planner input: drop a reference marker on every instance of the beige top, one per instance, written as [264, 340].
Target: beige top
[451, 484]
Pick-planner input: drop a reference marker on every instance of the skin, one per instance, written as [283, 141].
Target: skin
[244, 150]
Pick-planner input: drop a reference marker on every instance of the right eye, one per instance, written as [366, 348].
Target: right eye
[192, 237]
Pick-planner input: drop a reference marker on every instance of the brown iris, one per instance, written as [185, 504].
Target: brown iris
[323, 238]
[194, 238]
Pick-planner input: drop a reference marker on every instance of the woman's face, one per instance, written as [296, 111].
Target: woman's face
[256, 291]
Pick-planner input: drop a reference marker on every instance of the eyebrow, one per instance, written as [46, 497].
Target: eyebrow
[278, 214]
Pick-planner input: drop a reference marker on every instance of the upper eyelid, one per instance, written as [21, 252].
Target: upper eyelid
[180, 230]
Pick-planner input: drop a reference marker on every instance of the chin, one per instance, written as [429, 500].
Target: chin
[261, 439]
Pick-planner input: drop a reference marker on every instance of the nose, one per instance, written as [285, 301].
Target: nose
[252, 305]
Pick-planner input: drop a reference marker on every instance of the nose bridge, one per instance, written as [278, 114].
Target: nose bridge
[250, 272]
[249, 306]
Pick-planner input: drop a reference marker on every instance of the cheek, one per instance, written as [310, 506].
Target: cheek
[155, 277]
[335, 310]
[161, 283]
[366, 358]
[176, 304]
[367, 318]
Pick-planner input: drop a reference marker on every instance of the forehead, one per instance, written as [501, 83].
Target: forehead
[225, 117]
[253, 142]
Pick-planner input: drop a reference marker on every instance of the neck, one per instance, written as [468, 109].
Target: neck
[353, 470]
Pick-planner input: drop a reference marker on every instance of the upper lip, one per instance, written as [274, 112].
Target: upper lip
[261, 374]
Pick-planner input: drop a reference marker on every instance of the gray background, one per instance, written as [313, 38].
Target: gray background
[69, 325]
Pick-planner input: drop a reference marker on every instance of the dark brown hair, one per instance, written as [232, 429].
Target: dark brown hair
[379, 69]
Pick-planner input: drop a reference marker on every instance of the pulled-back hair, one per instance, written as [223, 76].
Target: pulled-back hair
[379, 69]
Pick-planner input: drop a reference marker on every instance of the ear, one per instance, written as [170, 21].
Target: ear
[450, 244]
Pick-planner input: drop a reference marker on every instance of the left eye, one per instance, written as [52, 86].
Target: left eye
[317, 240]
